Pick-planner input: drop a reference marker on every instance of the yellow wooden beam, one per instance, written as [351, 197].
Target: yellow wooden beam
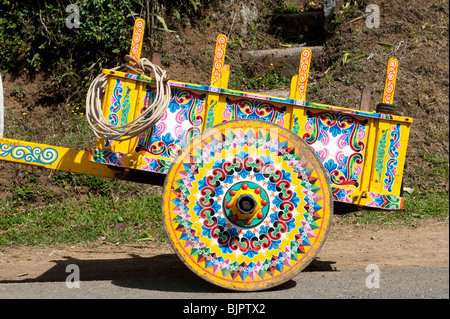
[298, 91]
[136, 42]
[69, 160]
[219, 60]
[391, 77]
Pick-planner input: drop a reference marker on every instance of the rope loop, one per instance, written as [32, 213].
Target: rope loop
[150, 115]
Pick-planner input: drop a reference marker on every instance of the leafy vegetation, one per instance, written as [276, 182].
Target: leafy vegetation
[34, 36]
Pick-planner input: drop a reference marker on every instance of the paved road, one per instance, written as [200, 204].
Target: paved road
[429, 283]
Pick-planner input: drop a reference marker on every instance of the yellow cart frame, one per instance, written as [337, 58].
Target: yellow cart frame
[363, 152]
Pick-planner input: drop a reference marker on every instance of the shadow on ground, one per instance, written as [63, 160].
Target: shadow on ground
[165, 272]
[162, 272]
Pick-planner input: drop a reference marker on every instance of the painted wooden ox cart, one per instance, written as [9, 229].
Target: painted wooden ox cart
[249, 180]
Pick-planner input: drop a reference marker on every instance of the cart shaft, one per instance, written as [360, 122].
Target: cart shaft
[69, 160]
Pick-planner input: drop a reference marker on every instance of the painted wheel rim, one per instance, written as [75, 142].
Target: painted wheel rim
[284, 234]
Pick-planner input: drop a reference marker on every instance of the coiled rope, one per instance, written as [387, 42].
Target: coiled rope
[102, 128]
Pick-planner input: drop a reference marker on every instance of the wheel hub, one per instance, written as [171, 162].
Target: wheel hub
[246, 204]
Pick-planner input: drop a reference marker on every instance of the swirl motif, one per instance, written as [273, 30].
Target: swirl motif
[380, 154]
[210, 116]
[385, 201]
[213, 184]
[388, 96]
[29, 154]
[219, 58]
[171, 132]
[252, 109]
[303, 73]
[126, 107]
[349, 133]
[138, 34]
[116, 101]
[391, 164]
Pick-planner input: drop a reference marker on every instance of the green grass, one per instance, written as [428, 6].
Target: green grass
[109, 217]
[432, 204]
[416, 207]
[270, 79]
[67, 208]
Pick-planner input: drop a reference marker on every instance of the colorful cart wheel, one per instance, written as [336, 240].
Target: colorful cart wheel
[247, 205]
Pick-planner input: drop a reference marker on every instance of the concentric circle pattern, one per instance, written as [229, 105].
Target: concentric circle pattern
[289, 222]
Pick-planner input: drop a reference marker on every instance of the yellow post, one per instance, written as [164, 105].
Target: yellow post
[219, 79]
[298, 92]
[136, 42]
[391, 77]
[219, 60]
[125, 95]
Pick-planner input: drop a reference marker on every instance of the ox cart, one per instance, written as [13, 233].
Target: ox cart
[249, 180]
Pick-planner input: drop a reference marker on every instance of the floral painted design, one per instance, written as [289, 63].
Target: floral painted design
[253, 109]
[392, 162]
[339, 141]
[179, 125]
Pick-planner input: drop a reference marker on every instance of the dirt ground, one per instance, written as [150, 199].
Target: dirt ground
[348, 247]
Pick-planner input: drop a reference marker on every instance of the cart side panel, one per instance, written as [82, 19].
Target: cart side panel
[340, 141]
[182, 121]
[389, 161]
[348, 142]
[119, 104]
